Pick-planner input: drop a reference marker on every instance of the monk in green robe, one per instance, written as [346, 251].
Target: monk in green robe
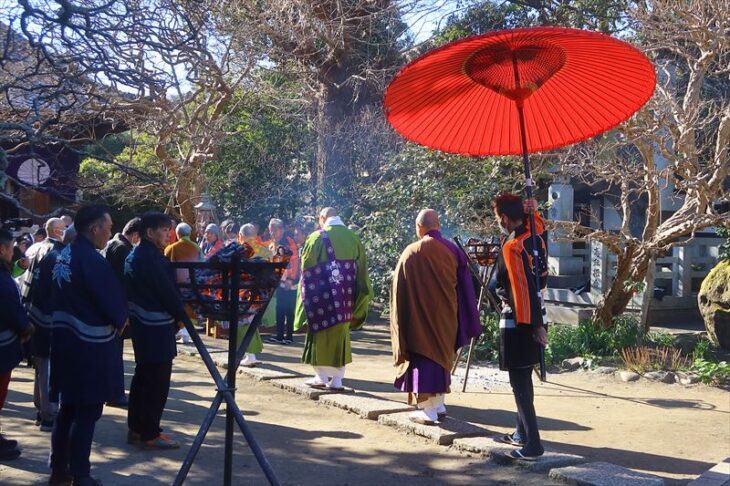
[332, 298]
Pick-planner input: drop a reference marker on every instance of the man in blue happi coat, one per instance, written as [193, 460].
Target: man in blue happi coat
[89, 313]
[14, 329]
[155, 308]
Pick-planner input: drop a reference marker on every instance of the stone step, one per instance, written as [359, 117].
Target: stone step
[260, 373]
[719, 475]
[366, 406]
[298, 386]
[603, 474]
[443, 433]
[497, 451]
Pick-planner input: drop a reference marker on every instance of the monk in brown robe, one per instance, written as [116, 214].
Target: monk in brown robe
[433, 312]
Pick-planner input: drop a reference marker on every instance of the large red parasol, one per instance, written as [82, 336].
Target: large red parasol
[519, 91]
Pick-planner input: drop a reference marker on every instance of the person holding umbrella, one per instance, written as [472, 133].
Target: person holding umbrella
[521, 328]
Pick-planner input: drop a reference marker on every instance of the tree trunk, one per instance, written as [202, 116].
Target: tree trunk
[333, 165]
[648, 293]
[632, 266]
[338, 101]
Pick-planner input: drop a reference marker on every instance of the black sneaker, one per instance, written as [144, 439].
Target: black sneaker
[37, 419]
[274, 340]
[7, 443]
[46, 426]
[524, 455]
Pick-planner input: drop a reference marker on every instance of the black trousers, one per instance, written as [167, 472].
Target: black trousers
[73, 432]
[285, 302]
[521, 381]
[147, 398]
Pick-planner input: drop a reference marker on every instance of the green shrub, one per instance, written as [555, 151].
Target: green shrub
[488, 345]
[662, 339]
[702, 350]
[712, 373]
[585, 339]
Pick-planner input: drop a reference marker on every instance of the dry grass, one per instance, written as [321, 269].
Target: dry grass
[642, 359]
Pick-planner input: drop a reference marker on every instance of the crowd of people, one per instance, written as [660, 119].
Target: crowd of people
[75, 293]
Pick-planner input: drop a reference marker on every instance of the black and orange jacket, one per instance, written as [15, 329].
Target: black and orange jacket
[515, 274]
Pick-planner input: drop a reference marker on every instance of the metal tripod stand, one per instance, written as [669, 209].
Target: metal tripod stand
[483, 275]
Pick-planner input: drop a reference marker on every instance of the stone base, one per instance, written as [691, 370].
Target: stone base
[498, 451]
[365, 406]
[566, 265]
[443, 433]
[567, 315]
[603, 474]
[298, 386]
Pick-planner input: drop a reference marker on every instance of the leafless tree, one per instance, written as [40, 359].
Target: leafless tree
[687, 123]
[161, 69]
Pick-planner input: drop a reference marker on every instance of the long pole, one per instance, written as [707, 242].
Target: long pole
[531, 215]
[232, 365]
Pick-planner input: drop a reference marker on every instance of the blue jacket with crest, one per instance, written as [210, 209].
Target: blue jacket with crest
[89, 309]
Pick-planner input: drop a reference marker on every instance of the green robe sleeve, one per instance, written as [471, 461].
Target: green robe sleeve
[364, 288]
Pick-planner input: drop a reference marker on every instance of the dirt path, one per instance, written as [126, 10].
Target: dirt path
[307, 443]
[673, 431]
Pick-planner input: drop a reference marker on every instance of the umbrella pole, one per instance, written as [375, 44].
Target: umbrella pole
[533, 236]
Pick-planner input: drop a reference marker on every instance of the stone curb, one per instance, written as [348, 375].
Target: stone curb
[719, 475]
[298, 386]
[603, 474]
[444, 433]
[364, 405]
[497, 452]
[264, 374]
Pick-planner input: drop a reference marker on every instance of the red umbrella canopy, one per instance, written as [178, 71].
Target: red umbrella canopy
[574, 84]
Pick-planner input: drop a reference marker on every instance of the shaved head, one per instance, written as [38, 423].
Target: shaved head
[328, 213]
[427, 220]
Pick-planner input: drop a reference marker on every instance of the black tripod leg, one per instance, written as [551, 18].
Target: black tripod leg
[253, 444]
[225, 393]
[198, 442]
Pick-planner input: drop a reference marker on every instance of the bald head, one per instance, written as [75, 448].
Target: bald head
[325, 214]
[427, 220]
[55, 228]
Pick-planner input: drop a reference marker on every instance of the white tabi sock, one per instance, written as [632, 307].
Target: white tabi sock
[438, 402]
[427, 410]
[321, 375]
[249, 358]
[337, 376]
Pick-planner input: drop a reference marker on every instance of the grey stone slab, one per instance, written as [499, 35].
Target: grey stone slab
[443, 433]
[548, 461]
[366, 406]
[498, 452]
[298, 386]
[603, 474]
[263, 374]
[480, 445]
[719, 475]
